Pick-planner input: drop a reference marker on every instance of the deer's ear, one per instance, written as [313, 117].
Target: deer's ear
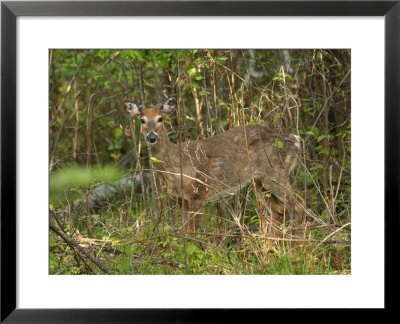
[169, 105]
[132, 109]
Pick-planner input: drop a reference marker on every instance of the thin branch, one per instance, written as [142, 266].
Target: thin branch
[329, 236]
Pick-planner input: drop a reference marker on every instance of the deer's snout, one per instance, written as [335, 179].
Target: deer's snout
[151, 138]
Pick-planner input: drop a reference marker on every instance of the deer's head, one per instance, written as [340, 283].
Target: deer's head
[151, 118]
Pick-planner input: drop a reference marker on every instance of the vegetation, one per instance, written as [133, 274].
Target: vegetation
[109, 214]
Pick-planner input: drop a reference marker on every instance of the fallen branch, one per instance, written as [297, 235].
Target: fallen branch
[80, 249]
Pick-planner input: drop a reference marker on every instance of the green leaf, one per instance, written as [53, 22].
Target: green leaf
[314, 131]
[324, 215]
[117, 132]
[126, 266]
[323, 150]
[101, 53]
[278, 144]
[191, 249]
[267, 194]
[202, 93]
[52, 241]
[155, 160]
[191, 69]
[136, 55]
[129, 252]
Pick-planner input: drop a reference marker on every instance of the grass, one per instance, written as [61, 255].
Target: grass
[127, 241]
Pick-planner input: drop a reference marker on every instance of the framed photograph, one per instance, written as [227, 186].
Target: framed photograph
[162, 158]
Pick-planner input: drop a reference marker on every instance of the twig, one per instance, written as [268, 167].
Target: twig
[330, 235]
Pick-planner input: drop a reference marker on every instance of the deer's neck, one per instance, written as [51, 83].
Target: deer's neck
[164, 150]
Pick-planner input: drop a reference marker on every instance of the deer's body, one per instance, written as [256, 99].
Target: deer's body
[198, 172]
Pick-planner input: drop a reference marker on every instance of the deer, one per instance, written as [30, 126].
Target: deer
[205, 171]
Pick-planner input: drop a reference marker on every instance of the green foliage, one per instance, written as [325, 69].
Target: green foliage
[76, 176]
[155, 160]
[278, 144]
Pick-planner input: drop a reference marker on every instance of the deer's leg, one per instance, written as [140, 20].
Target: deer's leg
[284, 200]
[299, 209]
[270, 219]
[184, 213]
[262, 210]
[195, 210]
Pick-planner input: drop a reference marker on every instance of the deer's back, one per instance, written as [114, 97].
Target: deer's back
[244, 145]
[230, 160]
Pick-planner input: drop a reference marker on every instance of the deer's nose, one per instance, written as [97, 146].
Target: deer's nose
[152, 138]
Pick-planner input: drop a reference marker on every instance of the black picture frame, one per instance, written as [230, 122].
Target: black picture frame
[9, 13]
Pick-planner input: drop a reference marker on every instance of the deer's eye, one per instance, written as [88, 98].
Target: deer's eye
[142, 121]
[159, 120]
